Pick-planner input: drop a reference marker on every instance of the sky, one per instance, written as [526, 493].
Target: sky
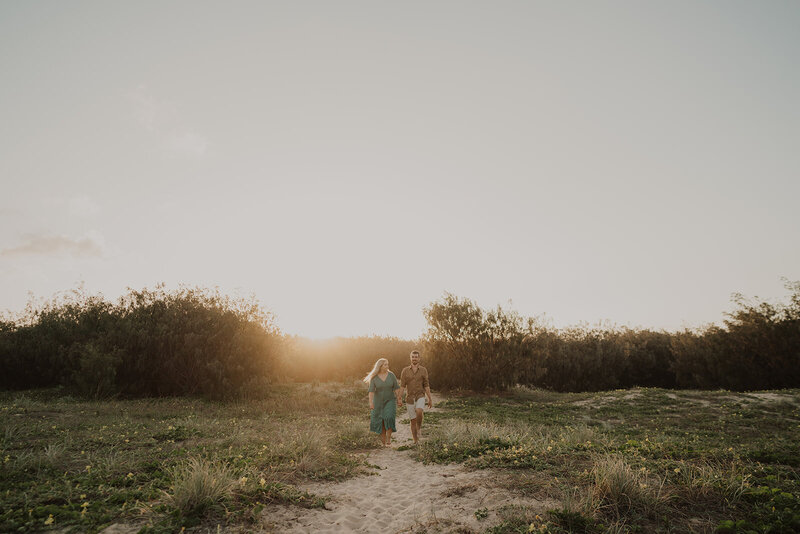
[347, 163]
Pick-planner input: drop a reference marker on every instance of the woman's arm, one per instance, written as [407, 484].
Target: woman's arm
[371, 400]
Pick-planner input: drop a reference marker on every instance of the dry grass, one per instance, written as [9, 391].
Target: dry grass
[705, 482]
[580, 501]
[199, 484]
[577, 435]
[622, 489]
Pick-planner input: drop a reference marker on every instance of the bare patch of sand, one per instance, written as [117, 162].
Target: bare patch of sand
[775, 397]
[689, 398]
[121, 528]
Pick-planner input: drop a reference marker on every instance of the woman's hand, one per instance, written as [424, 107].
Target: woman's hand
[371, 406]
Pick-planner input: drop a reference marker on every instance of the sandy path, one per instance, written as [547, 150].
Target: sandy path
[403, 495]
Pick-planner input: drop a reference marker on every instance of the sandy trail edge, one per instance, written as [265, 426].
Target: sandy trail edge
[402, 496]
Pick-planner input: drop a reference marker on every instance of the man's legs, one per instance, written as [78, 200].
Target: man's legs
[412, 415]
[418, 422]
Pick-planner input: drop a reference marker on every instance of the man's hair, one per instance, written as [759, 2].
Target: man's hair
[414, 352]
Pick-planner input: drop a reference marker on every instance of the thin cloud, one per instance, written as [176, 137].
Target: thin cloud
[161, 121]
[44, 245]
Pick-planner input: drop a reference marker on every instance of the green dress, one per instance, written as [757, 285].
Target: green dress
[382, 416]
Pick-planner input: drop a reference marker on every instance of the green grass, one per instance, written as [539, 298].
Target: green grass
[641, 460]
[164, 464]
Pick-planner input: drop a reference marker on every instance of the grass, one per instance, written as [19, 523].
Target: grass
[163, 464]
[641, 460]
[199, 484]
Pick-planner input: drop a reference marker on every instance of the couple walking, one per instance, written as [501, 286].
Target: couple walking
[384, 390]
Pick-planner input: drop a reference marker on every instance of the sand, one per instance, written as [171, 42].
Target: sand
[403, 495]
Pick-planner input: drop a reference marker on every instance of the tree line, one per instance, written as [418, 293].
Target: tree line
[758, 347]
[195, 341]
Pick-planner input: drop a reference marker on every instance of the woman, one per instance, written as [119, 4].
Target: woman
[383, 397]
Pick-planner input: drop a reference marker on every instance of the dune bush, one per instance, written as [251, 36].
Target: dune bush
[466, 347]
[155, 342]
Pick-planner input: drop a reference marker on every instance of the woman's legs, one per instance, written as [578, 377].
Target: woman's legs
[386, 435]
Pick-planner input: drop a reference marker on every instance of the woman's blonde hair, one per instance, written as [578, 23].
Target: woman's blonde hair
[375, 369]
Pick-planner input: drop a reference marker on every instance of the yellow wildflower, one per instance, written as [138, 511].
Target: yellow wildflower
[49, 520]
[262, 482]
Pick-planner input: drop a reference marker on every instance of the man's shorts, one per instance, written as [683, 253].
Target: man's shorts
[412, 408]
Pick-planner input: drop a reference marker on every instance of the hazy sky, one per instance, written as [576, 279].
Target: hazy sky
[349, 162]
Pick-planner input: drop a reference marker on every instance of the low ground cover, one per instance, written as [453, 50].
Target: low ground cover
[169, 463]
[633, 460]
[641, 460]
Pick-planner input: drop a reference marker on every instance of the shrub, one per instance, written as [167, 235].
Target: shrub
[149, 343]
[96, 372]
[758, 347]
[463, 337]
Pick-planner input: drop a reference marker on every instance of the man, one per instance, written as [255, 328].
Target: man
[414, 381]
